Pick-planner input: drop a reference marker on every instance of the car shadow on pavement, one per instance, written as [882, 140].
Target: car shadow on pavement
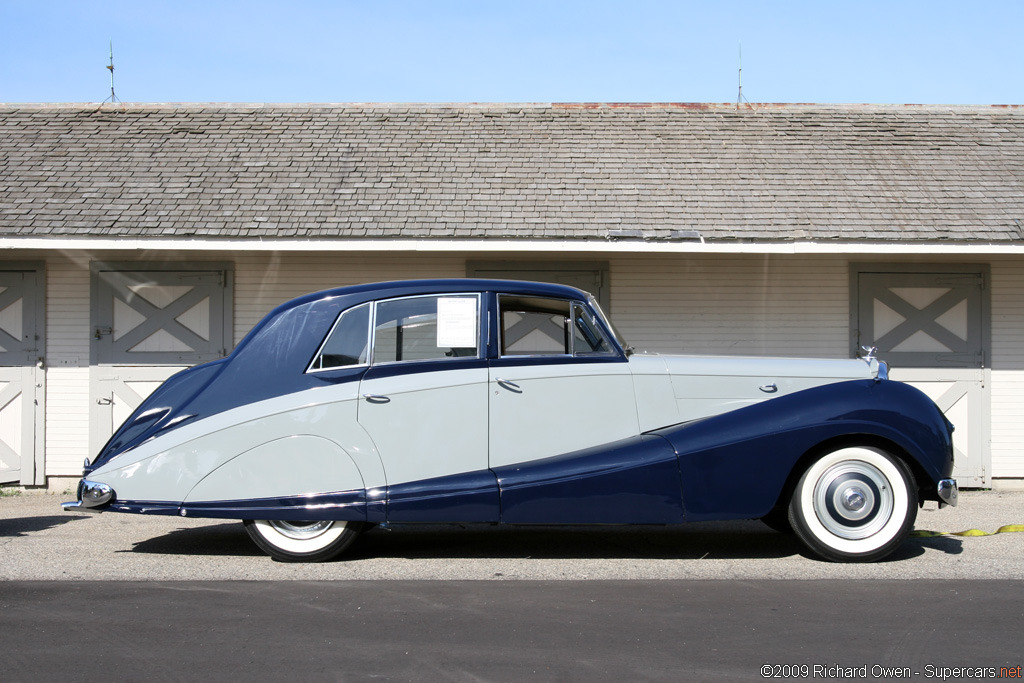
[951, 545]
[19, 526]
[221, 540]
[733, 540]
[694, 541]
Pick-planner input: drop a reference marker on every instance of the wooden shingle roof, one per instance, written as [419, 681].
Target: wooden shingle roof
[545, 172]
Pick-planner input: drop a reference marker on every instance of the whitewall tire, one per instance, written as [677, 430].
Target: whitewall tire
[302, 541]
[854, 504]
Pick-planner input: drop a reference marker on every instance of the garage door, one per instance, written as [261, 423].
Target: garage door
[21, 375]
[148, 324]
[931, 326]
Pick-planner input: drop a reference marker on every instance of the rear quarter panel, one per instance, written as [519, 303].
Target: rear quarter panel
[220, 457]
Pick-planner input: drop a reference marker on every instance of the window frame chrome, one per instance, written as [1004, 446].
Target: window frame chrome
[312, 369]
[373, 328]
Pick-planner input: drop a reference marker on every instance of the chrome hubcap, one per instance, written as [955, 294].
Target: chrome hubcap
[301, 531]
[853, 500]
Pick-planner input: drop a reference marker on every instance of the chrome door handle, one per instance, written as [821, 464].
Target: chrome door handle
[375, 398]
[511, 386]
[769, 388]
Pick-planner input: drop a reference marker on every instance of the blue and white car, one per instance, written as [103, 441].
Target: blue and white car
[499, 402]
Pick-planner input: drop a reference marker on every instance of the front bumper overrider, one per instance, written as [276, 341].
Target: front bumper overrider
[947, 492]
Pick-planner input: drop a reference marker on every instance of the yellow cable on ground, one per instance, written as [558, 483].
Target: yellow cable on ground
[1007, 529]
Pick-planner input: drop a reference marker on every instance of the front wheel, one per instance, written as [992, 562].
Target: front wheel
[854, 505]
[302, 541]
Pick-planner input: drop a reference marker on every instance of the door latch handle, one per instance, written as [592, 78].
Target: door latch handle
[511, 386]
[375, 398]
[769, 388]
[105, 401]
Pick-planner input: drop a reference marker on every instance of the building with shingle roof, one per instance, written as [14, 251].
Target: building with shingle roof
[761, 229]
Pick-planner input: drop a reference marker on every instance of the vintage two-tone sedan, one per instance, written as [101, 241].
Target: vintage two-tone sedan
[499, 402]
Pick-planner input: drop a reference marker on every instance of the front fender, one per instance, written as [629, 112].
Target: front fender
[735, 465]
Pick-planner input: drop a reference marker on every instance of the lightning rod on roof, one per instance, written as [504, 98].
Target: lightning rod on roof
[113, 97]
[739, 97]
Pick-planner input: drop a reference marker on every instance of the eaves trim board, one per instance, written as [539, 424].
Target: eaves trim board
[512, 246]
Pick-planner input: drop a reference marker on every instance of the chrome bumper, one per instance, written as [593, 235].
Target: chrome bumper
[947, 491]
[93, 496]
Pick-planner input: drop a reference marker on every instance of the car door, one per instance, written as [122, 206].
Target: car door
[565, 443]
[552, 392]
[423, 401]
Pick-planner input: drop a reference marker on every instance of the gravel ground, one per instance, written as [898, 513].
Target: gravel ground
[41, 542]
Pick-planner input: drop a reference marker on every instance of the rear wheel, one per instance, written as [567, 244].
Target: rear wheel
[302, 541]
[854, 505]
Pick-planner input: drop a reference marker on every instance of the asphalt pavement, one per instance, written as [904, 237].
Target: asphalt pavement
[39, 541]
[87, 597]
[473, 631]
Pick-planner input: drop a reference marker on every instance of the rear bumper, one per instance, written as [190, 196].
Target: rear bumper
[93, 496]
[947, 492]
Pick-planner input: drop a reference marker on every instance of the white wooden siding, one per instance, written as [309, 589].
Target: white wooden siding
[67, 363]
[1008, 368]
[733, 305]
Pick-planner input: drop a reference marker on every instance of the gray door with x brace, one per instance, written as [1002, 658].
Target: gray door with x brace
[147, 324]
[931, 324]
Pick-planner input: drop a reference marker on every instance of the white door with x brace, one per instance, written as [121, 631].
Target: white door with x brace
[21, 376]
[932, 328]
[146, 326]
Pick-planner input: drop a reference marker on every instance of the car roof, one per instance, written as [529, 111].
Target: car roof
[379, 290]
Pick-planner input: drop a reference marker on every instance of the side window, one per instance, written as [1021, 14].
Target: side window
[534, 327]
[588, 340]
[549, 327]
[348, 342]
[426, 328]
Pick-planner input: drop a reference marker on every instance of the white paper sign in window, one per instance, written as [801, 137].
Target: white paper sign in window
[456, 322]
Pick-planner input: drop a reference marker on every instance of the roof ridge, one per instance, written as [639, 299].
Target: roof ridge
[711, 106]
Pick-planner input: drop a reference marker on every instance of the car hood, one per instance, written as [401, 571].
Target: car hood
[673, 389]
[738, 366]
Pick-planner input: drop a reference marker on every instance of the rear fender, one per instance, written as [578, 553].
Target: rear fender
[295, 475]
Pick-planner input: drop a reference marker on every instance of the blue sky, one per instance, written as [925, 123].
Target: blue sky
[942, 52]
